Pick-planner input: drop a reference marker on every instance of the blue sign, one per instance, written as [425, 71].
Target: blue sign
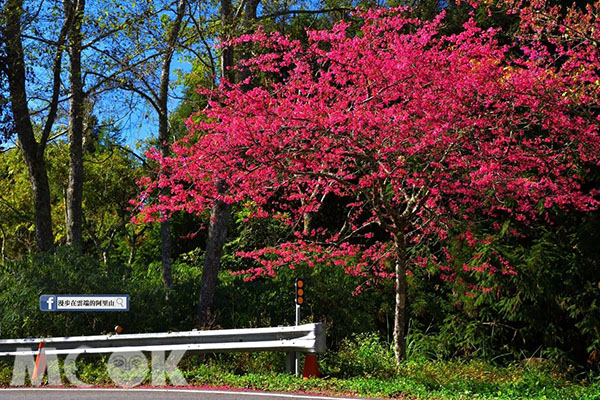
[84, 302]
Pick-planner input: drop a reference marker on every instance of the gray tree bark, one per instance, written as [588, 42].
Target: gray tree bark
[221, 211]
[74, 210]
[217, 234]
[400, 289]
[163, 132]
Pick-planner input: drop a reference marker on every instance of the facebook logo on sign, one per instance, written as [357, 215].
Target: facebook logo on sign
[47, 303]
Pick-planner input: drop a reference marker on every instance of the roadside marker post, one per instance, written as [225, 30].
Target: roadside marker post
[300, 290]
[311, 367]
[40, 362]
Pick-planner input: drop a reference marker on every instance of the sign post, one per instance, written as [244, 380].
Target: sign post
[299, 301]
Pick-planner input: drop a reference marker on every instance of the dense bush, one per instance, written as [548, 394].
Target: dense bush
[549, 309]
[365, 355]
[153, 307]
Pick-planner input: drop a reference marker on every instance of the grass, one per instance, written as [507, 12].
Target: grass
[420, 380]
[364, 366]
[412, 380]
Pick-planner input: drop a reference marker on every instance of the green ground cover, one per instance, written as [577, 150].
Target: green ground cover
[370, 374]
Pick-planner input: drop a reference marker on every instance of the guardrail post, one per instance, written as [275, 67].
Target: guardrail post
[296, 357]
[290, 357]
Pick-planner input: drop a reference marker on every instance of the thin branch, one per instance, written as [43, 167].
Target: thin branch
[288, 12]
[104, 35]
[120, 62]
[125, 68]
[129, 87]
[56, 71]
[133, 153]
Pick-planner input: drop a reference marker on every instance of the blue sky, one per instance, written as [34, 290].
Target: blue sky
[141, 123]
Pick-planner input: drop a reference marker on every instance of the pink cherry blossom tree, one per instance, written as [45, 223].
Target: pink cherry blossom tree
[415, 130]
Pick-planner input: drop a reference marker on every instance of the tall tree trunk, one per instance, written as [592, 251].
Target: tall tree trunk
[221, 211]
[33, 152]
[217, 233]
[400, 303]
[163, 133]
[165, 253]
[163, 137]
[42, 216]
[76, 174]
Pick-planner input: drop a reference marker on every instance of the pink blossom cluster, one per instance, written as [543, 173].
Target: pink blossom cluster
[415, 129]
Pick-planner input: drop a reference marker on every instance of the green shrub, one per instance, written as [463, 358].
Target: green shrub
[365, 355]
[153, 307]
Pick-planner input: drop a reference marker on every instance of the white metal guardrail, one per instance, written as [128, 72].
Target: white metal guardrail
[308, 338]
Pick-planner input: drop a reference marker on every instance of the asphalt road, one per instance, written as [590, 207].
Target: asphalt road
[147, 394]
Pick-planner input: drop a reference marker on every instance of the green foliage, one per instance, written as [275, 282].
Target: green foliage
[110, 182]
[153, 307]
[16, 203]
[364, 355]
[413, 379]
[549, 309]
[22, 282]
[270, 302]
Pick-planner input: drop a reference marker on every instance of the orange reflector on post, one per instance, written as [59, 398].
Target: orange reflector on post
[299, 291]
[40, 362]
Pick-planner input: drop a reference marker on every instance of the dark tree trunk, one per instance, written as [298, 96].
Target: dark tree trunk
[163, 137]
[165, 231]
[400, 289]
[217, 234]
[33, 151]
[165, 240]
[163, 133]
[221, 212]
[40, 188]
[76, 173]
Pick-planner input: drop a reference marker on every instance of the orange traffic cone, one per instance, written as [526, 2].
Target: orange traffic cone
[40, 362]
[311, 367]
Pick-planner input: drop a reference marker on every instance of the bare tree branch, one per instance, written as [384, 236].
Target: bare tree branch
[288, 12]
